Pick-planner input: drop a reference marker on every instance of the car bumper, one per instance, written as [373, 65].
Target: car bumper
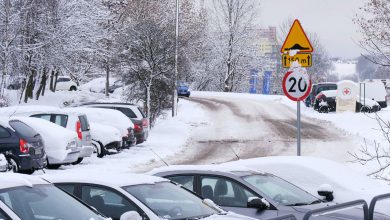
[29, 163]
[70, 158]
[184, 93]
[86, 151]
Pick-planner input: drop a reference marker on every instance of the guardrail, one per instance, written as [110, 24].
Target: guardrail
[373, 203]
[339, 207]
[284, 217]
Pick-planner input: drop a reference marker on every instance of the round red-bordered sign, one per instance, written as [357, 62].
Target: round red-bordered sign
[296, 86]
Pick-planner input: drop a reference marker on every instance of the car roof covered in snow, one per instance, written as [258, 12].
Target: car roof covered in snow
[4, 122]
[9, 180]
[232, 170]
[107, 179]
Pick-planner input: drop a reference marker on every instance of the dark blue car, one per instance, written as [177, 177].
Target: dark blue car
[183, 90]
[22, 146]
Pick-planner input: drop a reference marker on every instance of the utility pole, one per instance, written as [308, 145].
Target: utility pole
[174, 92]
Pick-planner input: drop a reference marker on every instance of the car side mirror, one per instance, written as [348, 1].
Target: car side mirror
[131, 215]
[326, 191]
[257, 203]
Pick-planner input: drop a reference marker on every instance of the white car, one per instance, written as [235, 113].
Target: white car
[153, 198]
[70, 120]
[112, 118]
[61, 145]
[28, 197]
[65, 83]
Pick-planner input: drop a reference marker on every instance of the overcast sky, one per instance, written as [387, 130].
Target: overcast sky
[330, 19]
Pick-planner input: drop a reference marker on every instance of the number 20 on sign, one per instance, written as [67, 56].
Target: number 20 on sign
[296, 85]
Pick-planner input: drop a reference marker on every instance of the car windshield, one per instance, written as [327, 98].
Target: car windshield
[45, 202]
[280, 190]
[169, 201]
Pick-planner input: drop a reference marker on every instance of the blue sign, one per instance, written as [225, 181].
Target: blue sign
[266, 82]
[253, 81]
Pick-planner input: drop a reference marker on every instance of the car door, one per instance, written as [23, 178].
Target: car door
[232, 196]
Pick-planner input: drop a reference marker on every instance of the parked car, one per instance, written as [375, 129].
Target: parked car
[147, 197]
[183, 89]
[374, 90]
[326, 102]
[112, 118]
[105, 138]
[61, 145]
[252, 193]
[133, 112]
[29, 197]
[22, 146]
[70, 120]
[15, 83]
[317, 88]
[65, 83]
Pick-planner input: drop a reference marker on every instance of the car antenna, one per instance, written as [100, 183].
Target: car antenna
[234, 152]
[159, 157]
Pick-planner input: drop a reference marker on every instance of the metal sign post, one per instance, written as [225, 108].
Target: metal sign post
[298, 128]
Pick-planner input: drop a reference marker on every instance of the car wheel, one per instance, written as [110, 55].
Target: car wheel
[99, 149]
[323, 109]
[365, 109]
[78, 161]
[73, 88]
[14, 165]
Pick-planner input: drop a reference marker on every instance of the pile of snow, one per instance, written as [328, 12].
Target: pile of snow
[309, 173]
[97, 85]
[27, 110]
[106, 116]
[3, 163]
[103, 133]
[56, 138]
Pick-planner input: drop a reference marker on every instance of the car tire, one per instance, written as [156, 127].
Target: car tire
[78, 161]
[99, 149]
[365, 109]
[11, 87]
[73, 88]
[323, 109]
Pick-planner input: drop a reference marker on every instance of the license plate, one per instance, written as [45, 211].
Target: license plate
[38, 151]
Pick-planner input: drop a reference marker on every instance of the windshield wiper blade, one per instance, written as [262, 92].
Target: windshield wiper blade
[316, 201]
[298, 204]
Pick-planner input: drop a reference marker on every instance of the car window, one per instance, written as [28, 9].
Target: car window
[63, 80]
[42, 116]
[61, 120]
[126, 111]
[4, 133]
[84, 123]
[3, 216]
[186, 181]
[225, 192]
[22, 129]
[109, 202]
[142, 113]
[69, 188]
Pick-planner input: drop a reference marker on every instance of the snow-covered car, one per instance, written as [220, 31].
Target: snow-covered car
[70, 120]
[249, 192]
[325, 102]
[97, 85]
[61, 145]
[112, 118]
[22, 146]
[153, 198]
[133, 112]
[105, 138]
[29, 197]
[65, 83]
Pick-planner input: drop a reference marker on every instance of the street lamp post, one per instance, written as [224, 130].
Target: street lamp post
[174, 95]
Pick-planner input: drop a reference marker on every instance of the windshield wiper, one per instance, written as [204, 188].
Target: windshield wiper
[316, 201]
[303, 203]
[196, 217]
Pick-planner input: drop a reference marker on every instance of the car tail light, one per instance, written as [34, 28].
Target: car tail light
[145, 122]
[78, 130]
[23, 146]
[320, 96]
[137, 128]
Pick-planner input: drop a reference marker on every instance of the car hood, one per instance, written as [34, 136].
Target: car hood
[228, 216]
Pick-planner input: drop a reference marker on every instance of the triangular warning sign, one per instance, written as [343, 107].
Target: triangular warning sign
[296, 39]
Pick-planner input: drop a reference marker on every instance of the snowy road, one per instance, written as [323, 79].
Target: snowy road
[249, 128]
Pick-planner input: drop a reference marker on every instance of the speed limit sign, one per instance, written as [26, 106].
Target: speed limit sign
[296, 85]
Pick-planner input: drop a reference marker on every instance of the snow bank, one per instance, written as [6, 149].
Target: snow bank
[27, 110]
[108, 117]
[56, 138]
[3, 163]
[104, 133]
[97, 85]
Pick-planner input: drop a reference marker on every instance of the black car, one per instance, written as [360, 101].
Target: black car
[22, 146]
[317, 88]
[133, 112]
[254, 194]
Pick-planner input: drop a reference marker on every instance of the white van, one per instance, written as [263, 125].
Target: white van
[374, 90]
